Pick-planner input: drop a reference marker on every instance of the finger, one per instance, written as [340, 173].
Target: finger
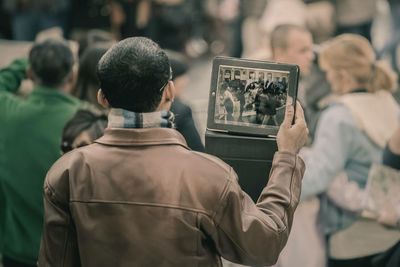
[299, 112]
[289, 114]
[300, 126]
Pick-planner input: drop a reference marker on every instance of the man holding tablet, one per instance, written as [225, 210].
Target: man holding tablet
[139, 197]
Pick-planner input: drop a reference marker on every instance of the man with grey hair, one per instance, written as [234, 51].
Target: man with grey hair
[292, 44]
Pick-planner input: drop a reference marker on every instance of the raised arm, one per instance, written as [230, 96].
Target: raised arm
[255, 234]
[12, 76]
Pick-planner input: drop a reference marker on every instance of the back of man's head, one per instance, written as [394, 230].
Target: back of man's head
[51, 62]
[132, 74]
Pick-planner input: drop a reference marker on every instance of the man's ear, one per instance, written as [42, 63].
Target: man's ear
[169, 92]
[102, 100]
[167, 97]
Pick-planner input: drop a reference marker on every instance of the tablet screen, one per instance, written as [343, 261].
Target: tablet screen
[251, 96]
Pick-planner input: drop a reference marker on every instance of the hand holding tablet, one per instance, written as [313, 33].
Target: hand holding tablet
[292, 137]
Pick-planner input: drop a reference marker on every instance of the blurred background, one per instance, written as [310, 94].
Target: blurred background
[195, 31]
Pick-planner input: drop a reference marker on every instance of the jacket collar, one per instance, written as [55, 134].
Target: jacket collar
[141, 137]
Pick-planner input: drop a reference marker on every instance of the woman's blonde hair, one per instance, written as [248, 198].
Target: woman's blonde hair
[355, 55]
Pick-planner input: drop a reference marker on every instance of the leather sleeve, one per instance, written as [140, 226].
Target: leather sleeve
[255, 234]
[59, 245]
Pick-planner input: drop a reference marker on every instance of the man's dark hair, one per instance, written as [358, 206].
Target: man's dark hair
[51, 62]
[131, 74]
[279, 35]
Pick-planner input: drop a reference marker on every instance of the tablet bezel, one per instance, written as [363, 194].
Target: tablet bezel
[269, 130]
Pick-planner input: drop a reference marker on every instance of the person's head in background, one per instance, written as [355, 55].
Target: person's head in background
[135, 75]
[93, 38]
[179, 74]
[292, 44]
[350, 63]
[87, 83]
[82, 130]
[51, 65]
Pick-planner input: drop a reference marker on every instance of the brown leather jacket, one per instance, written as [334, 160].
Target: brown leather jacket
[140, 197]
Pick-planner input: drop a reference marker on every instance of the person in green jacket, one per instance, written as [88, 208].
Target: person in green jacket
[30, 139]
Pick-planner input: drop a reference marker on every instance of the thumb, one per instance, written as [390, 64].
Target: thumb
[289, 114]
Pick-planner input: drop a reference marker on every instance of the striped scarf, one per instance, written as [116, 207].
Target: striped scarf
[121, 118]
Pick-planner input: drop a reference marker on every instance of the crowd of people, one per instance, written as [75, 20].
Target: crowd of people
[102, 164]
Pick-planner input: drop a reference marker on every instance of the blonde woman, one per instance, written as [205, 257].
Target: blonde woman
[350, 136]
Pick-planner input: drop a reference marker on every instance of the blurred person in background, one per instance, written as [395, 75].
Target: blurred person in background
[350, 136]
[177, 25]
[130, 17]
[5, 23]
[317, 93]
[295, 14]
[351, 197]
[392, 45]
[94, 38]
[225, 30]
[183, 113]
[87, 83]
[293, 44]
[2, 215]
[85, 127]
[30, 142]
[86, 15]
[29, 17]
[355, 16]
[252, 37]
[89, 122]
